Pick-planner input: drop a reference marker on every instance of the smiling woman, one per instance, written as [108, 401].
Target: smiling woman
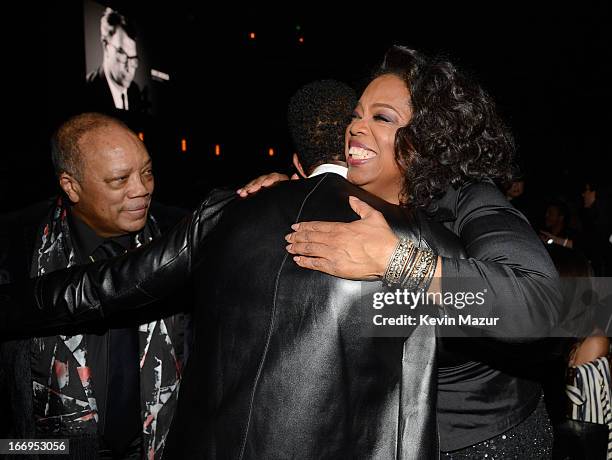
[427, 138]
[370, 138]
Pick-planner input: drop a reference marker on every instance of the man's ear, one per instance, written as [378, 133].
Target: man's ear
[298, 166]
[70, 186]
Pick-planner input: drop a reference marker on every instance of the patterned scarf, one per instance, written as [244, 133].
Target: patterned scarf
[64, 398]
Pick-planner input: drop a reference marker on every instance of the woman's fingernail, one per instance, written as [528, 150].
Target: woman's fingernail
[295, 226]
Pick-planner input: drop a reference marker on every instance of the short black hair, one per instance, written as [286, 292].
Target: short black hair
[318, 115]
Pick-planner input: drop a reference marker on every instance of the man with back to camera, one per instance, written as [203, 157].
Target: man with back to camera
[112, 87]
[317, 116]
[110, 388]
[280, 368]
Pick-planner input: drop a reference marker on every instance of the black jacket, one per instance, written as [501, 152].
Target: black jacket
[280, 367]
[98, 96]
[251, 376]
[489, 383]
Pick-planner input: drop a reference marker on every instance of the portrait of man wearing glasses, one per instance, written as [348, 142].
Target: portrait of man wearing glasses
[111, 86]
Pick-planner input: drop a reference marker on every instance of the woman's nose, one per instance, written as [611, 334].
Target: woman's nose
[357, 126]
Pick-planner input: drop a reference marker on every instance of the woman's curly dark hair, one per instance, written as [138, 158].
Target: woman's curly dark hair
[455, 134]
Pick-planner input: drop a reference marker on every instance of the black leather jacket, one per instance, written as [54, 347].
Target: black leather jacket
[280, 366]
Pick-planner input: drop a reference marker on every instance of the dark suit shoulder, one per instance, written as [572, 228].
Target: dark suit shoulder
[323, 197]
[134, 88]
[167, 216]
[280, 192]
[280, 205]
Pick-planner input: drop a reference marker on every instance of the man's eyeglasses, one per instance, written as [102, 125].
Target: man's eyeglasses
[123, 57]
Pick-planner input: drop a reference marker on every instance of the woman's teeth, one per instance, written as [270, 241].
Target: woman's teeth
[361, 154]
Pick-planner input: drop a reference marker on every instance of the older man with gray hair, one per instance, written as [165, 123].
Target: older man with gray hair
[111, 389]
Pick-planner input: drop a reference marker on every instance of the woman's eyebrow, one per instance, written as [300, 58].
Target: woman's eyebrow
[381, 104]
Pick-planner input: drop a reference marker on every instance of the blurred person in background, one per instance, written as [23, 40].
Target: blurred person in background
[577, 384]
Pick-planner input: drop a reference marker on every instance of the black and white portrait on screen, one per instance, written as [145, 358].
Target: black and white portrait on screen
[116, 71]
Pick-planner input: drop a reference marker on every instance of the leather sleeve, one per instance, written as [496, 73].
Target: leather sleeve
[89, 292]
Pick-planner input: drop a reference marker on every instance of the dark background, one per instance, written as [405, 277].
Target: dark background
[547, 67]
